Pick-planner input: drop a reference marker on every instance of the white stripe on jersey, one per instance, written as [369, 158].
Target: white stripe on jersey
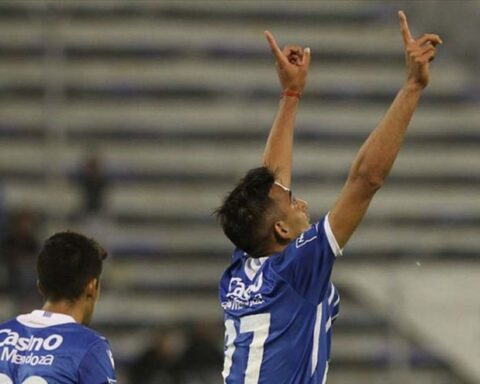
[316, 336]
[325, 374]
[328, 325]
[332, 294]
[336, 302]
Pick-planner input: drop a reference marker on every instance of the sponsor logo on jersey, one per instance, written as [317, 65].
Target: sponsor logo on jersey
[13, 339]
[12, 345]
[241, 296]
[13, 356]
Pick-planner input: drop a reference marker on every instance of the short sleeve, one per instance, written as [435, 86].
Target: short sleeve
[97, 367]
[307, 263]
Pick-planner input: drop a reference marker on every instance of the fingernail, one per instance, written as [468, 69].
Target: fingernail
[307, 50]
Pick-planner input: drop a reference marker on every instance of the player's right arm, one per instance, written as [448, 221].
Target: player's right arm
[377, 155]
[292, 67]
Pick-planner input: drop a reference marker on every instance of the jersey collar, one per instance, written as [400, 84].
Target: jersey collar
[41, 319]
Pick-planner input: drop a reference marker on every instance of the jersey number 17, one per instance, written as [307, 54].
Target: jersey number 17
[259, 325]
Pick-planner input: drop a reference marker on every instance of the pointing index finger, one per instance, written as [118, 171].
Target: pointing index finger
[407, 36]
[275, 49]
[306, 58]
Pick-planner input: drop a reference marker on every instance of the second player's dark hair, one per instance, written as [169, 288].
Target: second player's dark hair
[244, 212]
[66, 263]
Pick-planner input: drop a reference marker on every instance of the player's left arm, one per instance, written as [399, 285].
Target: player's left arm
[377, 155]
[292, 66]
[97, 366]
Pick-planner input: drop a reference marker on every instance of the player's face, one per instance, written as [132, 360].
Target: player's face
[294, 210]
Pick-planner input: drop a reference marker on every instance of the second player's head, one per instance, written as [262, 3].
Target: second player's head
[260, 215]
[69, 266]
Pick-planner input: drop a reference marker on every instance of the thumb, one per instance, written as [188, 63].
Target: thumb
[306, 58]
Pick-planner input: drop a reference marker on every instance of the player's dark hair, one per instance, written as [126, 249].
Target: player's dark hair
[66, 263]
[244, 214]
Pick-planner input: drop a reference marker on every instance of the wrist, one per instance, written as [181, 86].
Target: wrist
[413, 86]
[291, 94]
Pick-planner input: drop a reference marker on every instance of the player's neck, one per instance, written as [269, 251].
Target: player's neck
[273, 249]
[277, 248]
[66, 308]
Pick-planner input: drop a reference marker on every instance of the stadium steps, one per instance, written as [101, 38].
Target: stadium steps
[139, 80]
[199, 200]
[145, 121]
[197, 163]
[362, 11]
[225, 78]
[144, 217]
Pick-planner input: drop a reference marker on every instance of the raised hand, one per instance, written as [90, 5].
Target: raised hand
[292, 64]
[418, 53]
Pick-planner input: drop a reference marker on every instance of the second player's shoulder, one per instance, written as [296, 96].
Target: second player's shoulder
[77, 338]
[96, 364]
[95, 346]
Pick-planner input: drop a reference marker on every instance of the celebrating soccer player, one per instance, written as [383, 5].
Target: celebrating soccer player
[277, 295]
[52, 345]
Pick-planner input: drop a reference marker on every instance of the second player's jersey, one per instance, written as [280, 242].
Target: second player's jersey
[279, 312]
[50, 348]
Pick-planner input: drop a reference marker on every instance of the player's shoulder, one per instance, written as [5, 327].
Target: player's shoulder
[7, 322]
[91, 336]
[307, 239]
[318, 237]
[44, 322]
[10, 323]
[315, 231]
[92, 345]
[98, 352]
[236, 263]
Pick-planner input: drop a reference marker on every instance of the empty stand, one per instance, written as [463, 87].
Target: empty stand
[177, 98]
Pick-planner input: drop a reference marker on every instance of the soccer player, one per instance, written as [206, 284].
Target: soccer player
[277, 296]
[53, 345]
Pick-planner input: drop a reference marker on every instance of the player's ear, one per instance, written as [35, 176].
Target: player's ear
[282, 231]
[39, 288]
[92, 288]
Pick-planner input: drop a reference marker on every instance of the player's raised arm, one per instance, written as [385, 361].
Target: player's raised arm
[292, 66]
[377, 155]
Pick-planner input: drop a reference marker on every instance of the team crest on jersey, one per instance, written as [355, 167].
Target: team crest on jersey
[301, 241]
[242, 296]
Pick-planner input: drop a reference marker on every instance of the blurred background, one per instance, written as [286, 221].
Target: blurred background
[130, 120]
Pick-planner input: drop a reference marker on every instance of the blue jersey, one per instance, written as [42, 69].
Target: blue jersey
[51, 348]
[279, 311]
